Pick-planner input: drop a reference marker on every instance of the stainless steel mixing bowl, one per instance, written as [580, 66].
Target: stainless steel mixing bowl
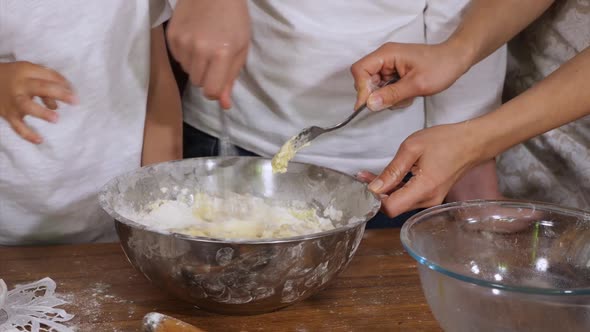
[503, 266]
[240, 277]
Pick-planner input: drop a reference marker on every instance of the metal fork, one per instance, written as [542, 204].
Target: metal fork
[311, 133]
[226, 148]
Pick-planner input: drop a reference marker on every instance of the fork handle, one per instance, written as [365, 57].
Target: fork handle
[364, 105]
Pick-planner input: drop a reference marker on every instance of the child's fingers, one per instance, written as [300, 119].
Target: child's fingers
[216, 76]
[44, 73]
[50, 89]
[19, 126]
[197, 69]
[49, 103]
[225, 98]
[29, 107]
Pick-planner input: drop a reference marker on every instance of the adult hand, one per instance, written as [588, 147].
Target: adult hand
[20, 83]
[437, 157]
[424, 70]
[210, 40]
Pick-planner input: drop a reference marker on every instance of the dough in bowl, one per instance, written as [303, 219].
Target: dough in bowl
[234, 217]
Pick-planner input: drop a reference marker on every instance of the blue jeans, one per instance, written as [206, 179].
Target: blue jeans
[200, 144]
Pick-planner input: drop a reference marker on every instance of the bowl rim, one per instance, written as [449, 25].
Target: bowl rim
[123, 220]
[511, 203]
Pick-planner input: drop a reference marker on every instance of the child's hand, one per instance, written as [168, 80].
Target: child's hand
[20, 82]
[210, 39]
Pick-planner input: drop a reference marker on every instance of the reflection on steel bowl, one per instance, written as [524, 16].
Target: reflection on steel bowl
[503, 265]
[248, 276]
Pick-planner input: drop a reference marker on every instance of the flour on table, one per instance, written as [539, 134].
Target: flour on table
[92, 307]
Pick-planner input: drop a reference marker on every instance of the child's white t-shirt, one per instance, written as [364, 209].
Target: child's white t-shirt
[298, 75]
[48, 192]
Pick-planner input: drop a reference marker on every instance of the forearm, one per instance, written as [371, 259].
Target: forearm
[557, 100]
[163, 123]
[476, 92]
[488, 24]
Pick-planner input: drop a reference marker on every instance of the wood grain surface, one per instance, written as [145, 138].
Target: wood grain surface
[379, 291]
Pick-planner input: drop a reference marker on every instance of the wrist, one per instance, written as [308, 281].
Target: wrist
[462, 50]
[489, 138]
[480, 141]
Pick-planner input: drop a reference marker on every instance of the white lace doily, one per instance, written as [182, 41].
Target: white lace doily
[32, 308]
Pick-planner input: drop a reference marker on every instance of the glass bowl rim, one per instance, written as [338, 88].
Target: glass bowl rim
[420, 216]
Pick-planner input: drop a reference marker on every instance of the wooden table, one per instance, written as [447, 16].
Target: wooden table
[379, 291]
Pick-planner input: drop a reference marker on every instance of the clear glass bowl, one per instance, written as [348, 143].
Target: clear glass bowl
[3, 294]
[503, 265]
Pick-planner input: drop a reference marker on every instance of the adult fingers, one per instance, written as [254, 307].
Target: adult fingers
[392, 94]
[397, 169]
[366, 76]
[416, 193]
[365, 176]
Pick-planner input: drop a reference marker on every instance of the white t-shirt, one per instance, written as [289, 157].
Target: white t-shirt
[298, 75]
[48, 193]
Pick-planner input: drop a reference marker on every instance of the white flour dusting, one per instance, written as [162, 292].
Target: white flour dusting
[236, 217]
[92, 308]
